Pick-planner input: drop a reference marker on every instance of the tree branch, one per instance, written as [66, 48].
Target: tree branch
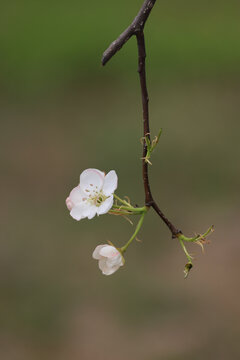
[137, 24]
[145, 100]
[137, 28]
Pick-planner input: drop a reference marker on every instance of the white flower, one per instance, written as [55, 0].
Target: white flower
[110, 259]
[94, 194]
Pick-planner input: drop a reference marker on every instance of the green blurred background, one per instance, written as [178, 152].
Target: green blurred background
[61, 113]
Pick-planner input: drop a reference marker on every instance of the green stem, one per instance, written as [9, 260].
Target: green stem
[138, 227]
[119, 212]
[131, 209]
[124, 202]
[128, 207]
[186, 252]
[181, 237]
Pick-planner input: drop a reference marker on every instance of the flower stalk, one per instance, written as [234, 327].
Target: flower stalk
[126, 208]
[138, 227]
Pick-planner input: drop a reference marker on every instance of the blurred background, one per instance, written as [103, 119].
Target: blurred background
[61, 112]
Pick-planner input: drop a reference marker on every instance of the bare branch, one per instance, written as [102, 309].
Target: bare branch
[145, 100]
[137, 24]
[149, 201]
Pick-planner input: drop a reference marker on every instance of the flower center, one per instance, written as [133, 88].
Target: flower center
[97, 198]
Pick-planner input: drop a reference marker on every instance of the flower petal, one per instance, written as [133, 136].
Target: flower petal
[102, 264]
[102, 173]
[69, 203]
[76, 196]
[96, 253]
[109, 251]
[80, 211]
[110, 183]
[109, 270]
[92, 211]
[91, 180]
[105, 206]
[115, 261]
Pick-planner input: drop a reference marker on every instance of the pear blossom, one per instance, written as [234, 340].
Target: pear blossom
[94, 194]
[110, 259]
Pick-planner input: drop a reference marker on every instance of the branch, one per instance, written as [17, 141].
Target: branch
[137, 28]
[137, 24]
[149, 201]
[145, 100]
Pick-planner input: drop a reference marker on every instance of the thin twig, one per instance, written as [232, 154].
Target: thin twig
[137, 28]
[145, 100]
[137, 24]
